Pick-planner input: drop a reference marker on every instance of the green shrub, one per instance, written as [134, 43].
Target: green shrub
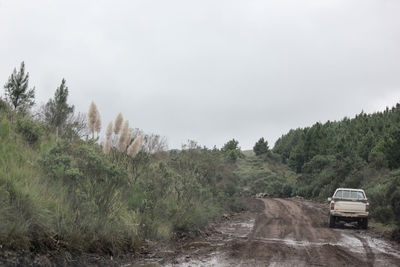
[382, 214]
[261, 147]
[4, 107]
[395, 203]
[70, 196]
[232, 150]
[287, 190]
[87, 174]
[28, 129]
[384, 196]
[4, 129]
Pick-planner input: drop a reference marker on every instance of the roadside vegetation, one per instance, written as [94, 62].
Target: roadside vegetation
[265, 173]
[363, 152]
[66, 188]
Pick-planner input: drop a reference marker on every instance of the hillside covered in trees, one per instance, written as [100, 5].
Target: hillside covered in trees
[360, 152]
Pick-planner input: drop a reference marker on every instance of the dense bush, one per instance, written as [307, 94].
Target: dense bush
[187, 190]
[30, 130]
[4, 107]
[384, 195]
[265, 175]
[63, 194]
[261, 147]
[70, 196]
[232, 150]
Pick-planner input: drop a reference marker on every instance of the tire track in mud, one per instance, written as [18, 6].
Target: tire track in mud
[320, 244]
[287, 232]
[297, 232]
[290, 230]
[303, 229]
[368, 250]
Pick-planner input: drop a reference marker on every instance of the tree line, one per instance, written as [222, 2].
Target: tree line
[360, 152]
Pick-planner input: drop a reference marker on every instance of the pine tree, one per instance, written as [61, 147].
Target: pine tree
[57, 110]
[261, 147]
[17, 92]
[391, 148]
[230, 145]
[232, 150]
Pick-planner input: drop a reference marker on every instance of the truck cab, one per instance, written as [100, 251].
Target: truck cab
[349, 205]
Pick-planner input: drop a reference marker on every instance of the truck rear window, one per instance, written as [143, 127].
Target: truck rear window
[349, 194]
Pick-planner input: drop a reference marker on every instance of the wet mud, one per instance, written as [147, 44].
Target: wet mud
[281, 232]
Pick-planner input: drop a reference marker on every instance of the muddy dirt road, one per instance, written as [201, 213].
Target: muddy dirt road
[293, 232]
[282, 232]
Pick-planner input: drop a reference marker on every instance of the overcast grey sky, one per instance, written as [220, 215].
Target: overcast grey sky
[209, 70]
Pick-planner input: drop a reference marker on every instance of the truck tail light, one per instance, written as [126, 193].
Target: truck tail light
[367, 207]
[332, 205]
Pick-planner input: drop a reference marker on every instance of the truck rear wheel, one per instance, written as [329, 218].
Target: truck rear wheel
[331, 221]
[364, 224]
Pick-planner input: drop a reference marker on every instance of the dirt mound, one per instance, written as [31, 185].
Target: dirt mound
[254, 205]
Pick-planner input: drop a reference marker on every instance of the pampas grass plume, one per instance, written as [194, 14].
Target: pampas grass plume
[124, 136]
[129, 137]
[135, 147]
[109, 130]
[97, 124]
[107, 147]
[92, 117]
[118, 123]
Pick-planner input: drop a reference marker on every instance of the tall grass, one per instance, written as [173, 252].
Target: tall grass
[71, 196]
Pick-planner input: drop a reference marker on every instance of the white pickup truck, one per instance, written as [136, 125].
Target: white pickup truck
[349, 205]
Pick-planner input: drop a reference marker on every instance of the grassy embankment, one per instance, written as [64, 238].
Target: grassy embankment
[265, 174]
[68, 196]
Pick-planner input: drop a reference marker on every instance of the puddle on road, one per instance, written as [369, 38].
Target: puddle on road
[382, 246]
[289, 263]
[378, 246]
[237, 228]
[351, 242]
[300, 243]
[240, 228]
[214, 259]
